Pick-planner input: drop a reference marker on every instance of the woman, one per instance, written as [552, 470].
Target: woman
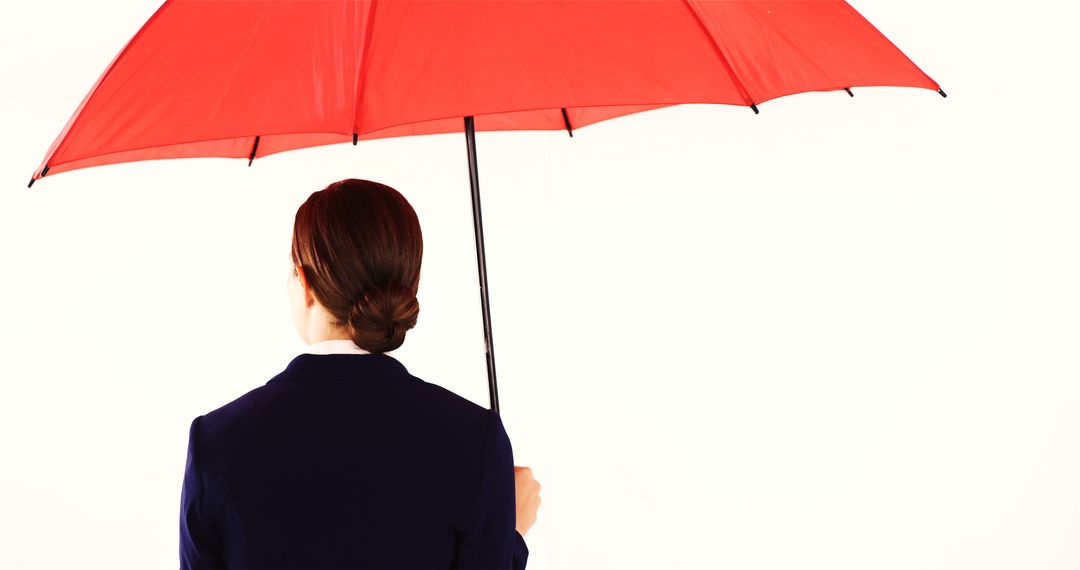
[344, 459]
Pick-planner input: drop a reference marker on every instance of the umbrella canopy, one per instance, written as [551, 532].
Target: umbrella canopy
[248, 79]
[251, 78]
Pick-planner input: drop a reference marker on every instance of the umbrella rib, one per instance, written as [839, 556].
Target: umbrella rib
[363, 65]
[723, 58]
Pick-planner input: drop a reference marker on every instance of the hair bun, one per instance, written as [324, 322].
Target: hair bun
[379, 318]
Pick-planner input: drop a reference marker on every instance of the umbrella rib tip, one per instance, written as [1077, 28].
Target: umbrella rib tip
[753, 107]
[44, 171]
[254, 148]
[942, 93]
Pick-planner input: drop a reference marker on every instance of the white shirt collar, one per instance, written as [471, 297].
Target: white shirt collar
[335, 346]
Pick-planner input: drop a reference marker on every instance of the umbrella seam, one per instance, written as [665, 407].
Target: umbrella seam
[723, 57]
[239, 63]
[365, 52]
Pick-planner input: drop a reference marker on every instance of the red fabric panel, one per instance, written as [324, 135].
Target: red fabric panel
[205, 77]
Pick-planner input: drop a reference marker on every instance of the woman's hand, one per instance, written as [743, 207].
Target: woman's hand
[528, 498]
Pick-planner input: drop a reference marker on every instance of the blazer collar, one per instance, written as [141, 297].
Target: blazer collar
[308, 367]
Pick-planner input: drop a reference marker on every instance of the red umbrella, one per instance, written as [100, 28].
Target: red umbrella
[249, 79]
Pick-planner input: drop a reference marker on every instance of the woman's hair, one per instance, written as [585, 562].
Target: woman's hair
[360, 246]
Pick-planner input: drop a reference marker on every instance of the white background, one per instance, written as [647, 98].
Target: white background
[841, 334]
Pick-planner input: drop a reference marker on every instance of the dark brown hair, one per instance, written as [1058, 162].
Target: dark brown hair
[360, 246]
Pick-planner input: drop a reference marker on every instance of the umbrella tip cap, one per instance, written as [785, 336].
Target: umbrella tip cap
[942, 93]
[753, 107]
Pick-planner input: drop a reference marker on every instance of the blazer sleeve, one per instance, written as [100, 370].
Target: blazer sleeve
[521, 551]
[492, 542]
[200, 543]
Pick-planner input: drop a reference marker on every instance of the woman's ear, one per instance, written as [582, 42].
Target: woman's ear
[308, 298]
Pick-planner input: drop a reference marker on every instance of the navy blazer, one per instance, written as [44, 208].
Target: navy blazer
[348, 461]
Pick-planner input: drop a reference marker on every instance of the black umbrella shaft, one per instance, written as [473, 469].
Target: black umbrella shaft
[481, 262]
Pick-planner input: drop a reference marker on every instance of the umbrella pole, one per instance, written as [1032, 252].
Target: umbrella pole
[481, 263]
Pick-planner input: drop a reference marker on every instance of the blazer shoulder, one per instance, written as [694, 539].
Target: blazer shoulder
[455, 400]
[442, 403]
[232, 411]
